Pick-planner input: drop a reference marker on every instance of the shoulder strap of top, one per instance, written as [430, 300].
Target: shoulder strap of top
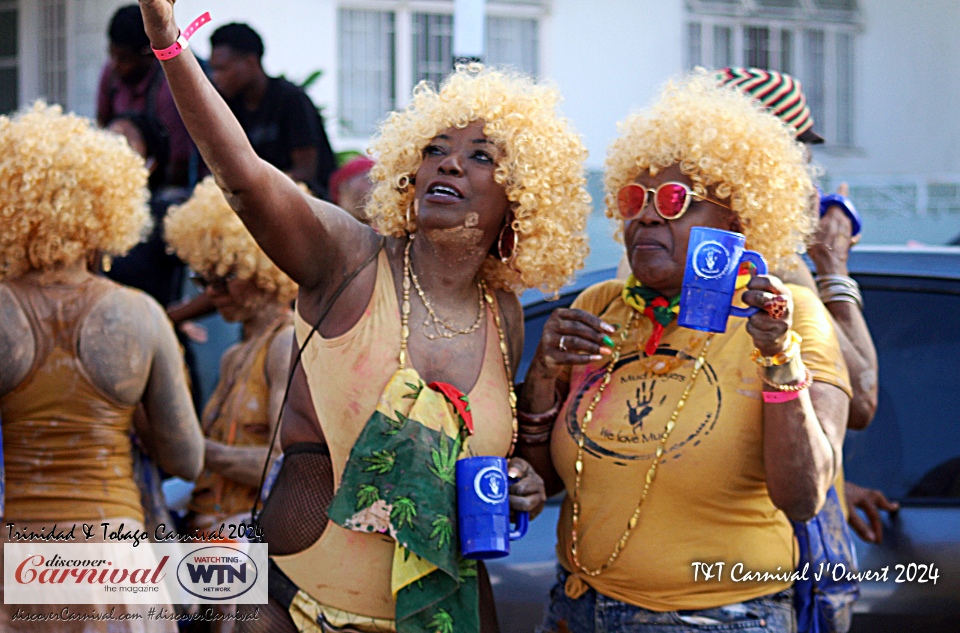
[296, 363]
[62, 328]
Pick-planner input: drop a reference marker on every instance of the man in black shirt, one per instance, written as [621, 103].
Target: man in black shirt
[281, 122]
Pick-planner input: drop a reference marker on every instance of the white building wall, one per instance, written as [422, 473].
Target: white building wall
[609, 58]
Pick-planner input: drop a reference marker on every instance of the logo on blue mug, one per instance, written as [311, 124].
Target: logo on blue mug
[490, 485]
[711, 260]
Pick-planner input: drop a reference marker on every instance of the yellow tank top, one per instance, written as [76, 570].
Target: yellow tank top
[237, 414]
[347, 374]
[66, 443]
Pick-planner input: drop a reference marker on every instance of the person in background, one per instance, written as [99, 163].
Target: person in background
[247, 288]
[131, 81]
[80, 352]
[148, 266]
[280, 120]
[350, 187]
[837, 232]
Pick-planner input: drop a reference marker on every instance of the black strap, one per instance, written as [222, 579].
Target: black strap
[296, 363]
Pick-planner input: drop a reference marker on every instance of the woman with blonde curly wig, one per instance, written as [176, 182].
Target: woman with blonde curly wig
[246, 288]
[685, 454]
[80, 352]
[478, 194]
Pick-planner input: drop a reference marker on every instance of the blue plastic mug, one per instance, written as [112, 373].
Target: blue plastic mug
[713, 260]
[483, 508]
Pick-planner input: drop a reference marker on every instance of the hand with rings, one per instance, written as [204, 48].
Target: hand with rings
[770, 327]
[573, 337]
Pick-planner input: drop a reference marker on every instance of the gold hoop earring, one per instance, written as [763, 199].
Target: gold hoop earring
[416, 207]
[507, 241]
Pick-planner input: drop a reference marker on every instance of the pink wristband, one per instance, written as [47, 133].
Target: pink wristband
[183, 41]
[777, 397]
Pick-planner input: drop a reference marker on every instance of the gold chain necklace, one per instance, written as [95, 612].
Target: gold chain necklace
[441, 327]
[651, 472]
[484, 296]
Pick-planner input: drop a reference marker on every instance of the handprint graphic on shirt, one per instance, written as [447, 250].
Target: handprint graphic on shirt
[644, 406]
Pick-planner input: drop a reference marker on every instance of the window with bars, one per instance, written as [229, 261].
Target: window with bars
[789, 36]
[367, 69]
[53, 51]
[514, 42]
[384, 53]
[9, 66]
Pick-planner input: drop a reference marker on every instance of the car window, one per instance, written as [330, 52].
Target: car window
[912, 448]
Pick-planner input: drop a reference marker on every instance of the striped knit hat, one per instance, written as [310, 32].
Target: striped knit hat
[779, 93]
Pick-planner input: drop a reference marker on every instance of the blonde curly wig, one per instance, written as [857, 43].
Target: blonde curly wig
[731, 148]
[541, 169]
[206, 234]
[67, 190]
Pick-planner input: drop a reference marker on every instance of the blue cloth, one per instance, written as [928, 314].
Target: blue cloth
[825, 605]
[596, 613]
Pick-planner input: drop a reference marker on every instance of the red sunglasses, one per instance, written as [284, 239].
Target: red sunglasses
[670, 200]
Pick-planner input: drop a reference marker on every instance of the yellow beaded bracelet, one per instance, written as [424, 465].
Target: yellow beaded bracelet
[783, 357]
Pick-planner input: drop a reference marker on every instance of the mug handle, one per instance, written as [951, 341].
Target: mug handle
[757, 260]
[523, 522]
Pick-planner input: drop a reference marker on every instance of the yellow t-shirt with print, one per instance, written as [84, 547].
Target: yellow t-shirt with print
[709, 501]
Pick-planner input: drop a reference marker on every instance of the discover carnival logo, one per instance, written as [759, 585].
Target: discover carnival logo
[152, 573]
[217, 573]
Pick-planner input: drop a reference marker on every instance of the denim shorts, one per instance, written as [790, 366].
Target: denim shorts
[595, 613]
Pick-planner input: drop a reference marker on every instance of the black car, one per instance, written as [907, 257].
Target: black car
[911, 451]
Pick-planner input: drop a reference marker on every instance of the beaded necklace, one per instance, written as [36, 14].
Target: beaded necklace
[651, 472]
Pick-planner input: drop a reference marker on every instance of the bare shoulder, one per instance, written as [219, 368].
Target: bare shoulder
[17, 345]
[118, 340]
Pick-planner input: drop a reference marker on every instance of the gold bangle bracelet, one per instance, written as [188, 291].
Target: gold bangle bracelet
[784, 357]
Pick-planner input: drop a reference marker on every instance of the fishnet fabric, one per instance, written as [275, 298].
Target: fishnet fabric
[295, 514]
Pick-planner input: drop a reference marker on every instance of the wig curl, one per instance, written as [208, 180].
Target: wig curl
[732, 149]
[67, 190]
[206, 234]
[541, 169]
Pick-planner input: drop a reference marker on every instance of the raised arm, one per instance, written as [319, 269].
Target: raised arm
[312, 241]
[829, 254]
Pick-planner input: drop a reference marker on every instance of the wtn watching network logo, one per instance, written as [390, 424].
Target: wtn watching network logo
[217, 573]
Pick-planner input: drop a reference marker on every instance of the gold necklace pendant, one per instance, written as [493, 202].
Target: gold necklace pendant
[439, 326]
[651, 472]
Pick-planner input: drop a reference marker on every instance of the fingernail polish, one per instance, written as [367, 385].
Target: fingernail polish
[608, 328]
[608, 341]
[596, 357]
[605, 351]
